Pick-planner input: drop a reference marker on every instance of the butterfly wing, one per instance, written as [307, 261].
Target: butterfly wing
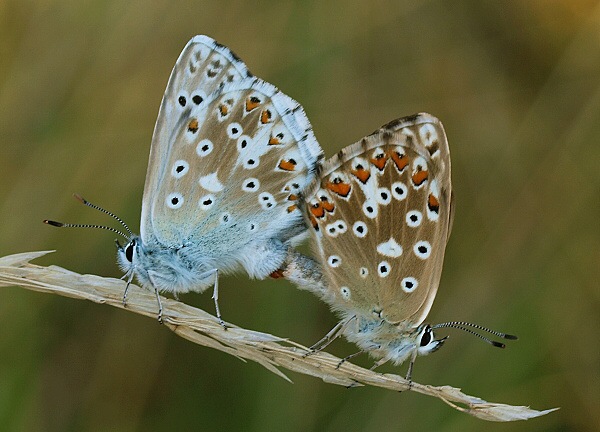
[226, 174]
[380, 217]
[202, 67]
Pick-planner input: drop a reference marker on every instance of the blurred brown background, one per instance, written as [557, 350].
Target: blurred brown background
[517, 85]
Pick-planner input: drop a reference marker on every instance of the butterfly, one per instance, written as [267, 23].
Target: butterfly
[380, 215]
[229, 158]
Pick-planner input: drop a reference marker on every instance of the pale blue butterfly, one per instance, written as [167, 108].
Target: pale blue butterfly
[229, 159]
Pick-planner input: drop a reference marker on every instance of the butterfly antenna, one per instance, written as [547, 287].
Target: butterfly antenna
[67, 225]
[464, 326]
[111, 214]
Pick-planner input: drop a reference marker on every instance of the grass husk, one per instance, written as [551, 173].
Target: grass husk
[273, 352]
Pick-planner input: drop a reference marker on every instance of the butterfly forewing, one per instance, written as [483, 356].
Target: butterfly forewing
[380, 217]
[201, 69]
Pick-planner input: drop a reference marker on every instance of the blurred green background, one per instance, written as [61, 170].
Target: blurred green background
[517, 86]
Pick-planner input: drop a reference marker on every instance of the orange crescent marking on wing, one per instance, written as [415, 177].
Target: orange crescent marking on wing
[379, 162]
[342, 189]
[433, 203]
[317, 210]
[419, 177]
[251, 103]
[265, 116]
[400, 161]
[193, 125]
[287, 165]
[329, 206]
[274, 140]
[362, 174]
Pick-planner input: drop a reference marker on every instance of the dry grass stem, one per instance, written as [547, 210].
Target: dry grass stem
[202, 328]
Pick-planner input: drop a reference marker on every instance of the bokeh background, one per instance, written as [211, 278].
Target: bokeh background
[517, 85]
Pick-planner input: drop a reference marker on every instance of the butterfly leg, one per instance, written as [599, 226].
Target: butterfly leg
[410, 368]
[379, 363]
[333, 334]
[127, 289]
[345, 359]
[154, 286]
[160, 308]
[215, 297]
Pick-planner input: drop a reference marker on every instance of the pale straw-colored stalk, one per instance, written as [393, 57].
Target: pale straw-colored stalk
[202, 328]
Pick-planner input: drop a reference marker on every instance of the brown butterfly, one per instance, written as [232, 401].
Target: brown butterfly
[380, 215]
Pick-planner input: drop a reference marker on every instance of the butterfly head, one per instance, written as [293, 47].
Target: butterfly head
[426, 341]
[128, 253]
[393, 342]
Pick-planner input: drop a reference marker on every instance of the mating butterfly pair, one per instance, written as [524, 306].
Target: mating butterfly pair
[235, 177]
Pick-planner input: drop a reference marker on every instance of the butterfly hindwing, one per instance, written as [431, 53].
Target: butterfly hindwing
[380, 217]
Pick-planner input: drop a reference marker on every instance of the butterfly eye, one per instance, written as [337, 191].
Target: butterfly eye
[427, 342]
[129, 251]
[426, 337]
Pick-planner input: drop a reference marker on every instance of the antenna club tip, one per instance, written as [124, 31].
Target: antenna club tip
[498, 344]
[79, 198]
[53, 223]
[511, 337]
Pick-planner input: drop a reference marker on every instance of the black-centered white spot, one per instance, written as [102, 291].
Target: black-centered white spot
[363, 272]
[409, 284]
[182, 100]
[234, 130]
[180, 168]
[174, 200]
[251, 162]
[243, 143]
[331, 230]
[383, 196]
[206, 202]
[360, 229]
[399, 190]
[414, 218]
[266, 200]
[204, 148]
[345, 292]
[370, 209]
[383, 269]
[250, 185]
[334, 261]
[252, 227]
[422, 249]
[336, 228]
